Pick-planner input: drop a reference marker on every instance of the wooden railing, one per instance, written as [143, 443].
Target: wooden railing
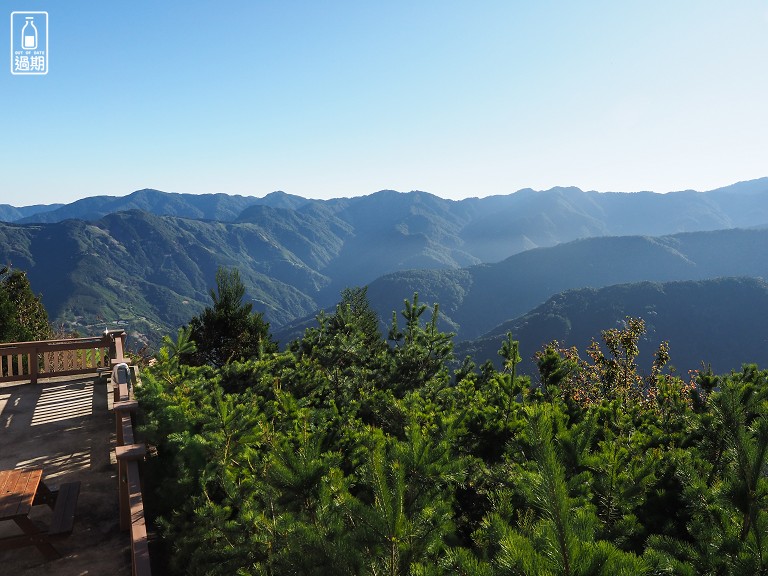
[30, 361]
[128, 452]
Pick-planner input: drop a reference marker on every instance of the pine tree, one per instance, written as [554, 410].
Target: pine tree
[405, 517]
[347, 345]
[562, 539]
[22, 314]
[420, 351]
[229, 330]
[726, 495]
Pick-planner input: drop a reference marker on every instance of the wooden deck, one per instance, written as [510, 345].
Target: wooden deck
[65, 427]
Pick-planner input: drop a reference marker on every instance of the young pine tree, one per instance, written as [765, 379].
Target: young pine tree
[229, 330]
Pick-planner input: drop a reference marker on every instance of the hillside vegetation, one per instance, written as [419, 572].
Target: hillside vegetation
[351, 454]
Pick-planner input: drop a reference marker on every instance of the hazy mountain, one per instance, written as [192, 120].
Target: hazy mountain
[720, 322]
[10, 213]
[448, 233]
[475, 299]
[222, 207]
[280, 199]
[394, 231]
[200, 206]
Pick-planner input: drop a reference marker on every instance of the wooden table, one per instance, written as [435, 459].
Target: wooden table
[19, 491]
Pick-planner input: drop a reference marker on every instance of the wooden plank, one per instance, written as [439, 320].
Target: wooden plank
[131, 452]
[18, 492]
[34, 366]
[126, 429]
[32, 537]
[64, 509]
[119, 347]
[139, 543]
[61, 343]
[27, 486]
[126, 406]
[4, 479]
[7, 483]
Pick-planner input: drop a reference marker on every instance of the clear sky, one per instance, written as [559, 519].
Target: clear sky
[344, 98]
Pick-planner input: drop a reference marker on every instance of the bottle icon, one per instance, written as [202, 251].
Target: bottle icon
[29, 34]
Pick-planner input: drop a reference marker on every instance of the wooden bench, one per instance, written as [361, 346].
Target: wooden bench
[20, 490]
[64, 509]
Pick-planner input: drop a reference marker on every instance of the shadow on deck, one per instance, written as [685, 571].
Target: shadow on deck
[65, 427]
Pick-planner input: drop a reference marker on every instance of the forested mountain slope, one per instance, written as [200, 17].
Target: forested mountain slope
[152, 265]
[476, 299]
[153, 272]
[719, 322]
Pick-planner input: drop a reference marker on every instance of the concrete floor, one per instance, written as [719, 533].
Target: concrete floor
[66, 428]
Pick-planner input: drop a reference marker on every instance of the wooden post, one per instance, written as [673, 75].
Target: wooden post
[123, 409]
[126, 454]
[32, 361]
[117, 344]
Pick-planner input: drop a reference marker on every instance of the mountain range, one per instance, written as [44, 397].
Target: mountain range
[148, 259]
[475, 299]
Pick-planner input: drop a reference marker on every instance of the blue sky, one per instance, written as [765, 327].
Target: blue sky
[344, 98]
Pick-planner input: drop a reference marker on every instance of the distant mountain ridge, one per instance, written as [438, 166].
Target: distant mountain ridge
[475, 229]
[10, 213]
[150, 257]
[200, 206]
